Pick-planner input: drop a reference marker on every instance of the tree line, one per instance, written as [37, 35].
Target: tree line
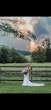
[42, 54]
[8, 55]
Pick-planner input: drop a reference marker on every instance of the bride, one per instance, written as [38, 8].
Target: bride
[27, 73]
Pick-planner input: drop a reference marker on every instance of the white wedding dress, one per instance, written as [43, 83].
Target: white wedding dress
[27, 82]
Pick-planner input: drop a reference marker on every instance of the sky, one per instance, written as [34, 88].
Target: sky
[22, 24]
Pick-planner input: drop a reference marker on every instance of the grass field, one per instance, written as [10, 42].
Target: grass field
[16, 87]
[24, 64]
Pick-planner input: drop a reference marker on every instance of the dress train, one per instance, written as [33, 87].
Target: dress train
[27, 82]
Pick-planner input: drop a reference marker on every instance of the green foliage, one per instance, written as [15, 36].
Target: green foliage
[4, 55]
[17, 57]
[11, 56]
[48, 55]
[46, 43]
[39, 55]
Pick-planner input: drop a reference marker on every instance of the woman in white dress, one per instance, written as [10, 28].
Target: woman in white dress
[26, 81]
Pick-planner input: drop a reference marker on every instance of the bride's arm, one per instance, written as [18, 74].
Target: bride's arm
[25, 70]
[22, 72]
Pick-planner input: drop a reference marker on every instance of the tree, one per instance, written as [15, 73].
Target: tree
[16, 57]
[7, 27]
[46, 43]
[48, 55]
[4, 55]
[8, 55]
[39, 55]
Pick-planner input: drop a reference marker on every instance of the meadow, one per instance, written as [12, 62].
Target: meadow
[16, 86]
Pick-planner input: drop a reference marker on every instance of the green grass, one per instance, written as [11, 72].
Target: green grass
[16, 87]
[24, 64]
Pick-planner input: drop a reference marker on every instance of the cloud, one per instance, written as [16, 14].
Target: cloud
[21, 23]
[40, 26]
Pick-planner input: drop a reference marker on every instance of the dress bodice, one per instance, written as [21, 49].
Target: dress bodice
[26, 75]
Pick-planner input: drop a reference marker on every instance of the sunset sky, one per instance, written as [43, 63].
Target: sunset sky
[24, 24]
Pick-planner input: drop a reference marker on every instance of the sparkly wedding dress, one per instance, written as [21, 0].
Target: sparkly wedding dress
[27, 82]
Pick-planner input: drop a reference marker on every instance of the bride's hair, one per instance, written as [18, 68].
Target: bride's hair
[28, 65]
